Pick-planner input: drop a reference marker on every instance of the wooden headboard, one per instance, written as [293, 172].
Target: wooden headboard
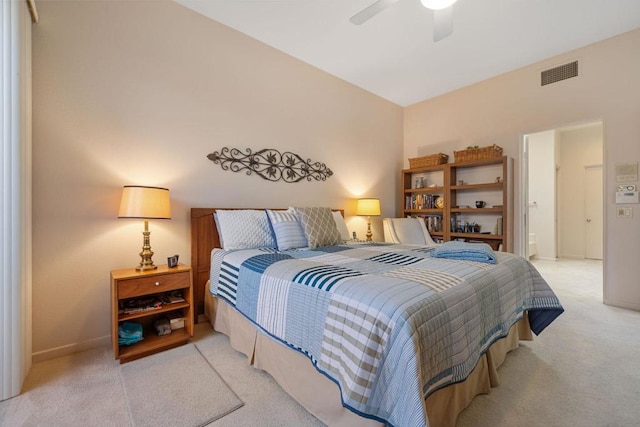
[205, 237]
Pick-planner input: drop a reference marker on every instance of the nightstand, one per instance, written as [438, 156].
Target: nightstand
[136, 296]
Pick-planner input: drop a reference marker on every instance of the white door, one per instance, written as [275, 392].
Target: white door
[593, 212]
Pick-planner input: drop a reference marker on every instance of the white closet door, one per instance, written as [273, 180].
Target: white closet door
[593, 212]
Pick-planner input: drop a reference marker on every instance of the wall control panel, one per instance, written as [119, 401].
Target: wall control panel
[627, 172]
[624, 212]
[627, 193]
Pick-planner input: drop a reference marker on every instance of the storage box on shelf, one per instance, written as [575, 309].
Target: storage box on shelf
[144, 297]
[459, 186]
[429, 160]
[477, 153]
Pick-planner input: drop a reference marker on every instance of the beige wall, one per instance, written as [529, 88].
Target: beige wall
[502, 109]
[140, 93]
[578, 149]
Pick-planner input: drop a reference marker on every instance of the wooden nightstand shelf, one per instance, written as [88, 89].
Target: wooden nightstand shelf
[129, 284]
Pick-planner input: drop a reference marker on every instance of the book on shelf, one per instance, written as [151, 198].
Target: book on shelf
[135, 305]
[432, 221]
[420, 201]
[153, 302]
[172, 297]
[498, 228]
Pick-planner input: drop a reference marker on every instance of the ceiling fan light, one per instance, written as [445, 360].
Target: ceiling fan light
[437, 4]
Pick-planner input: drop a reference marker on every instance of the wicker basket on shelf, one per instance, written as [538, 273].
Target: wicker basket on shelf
[480, 153]
[430, 160]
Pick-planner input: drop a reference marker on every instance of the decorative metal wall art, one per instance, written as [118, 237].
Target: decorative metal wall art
[271, 164]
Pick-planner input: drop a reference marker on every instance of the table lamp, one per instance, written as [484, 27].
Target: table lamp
[145, 203]
[368, 207]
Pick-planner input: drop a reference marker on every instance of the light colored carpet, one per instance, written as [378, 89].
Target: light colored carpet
[266, 404]
[584, 370]
[81, 389]
[176, 387]
[85, 389]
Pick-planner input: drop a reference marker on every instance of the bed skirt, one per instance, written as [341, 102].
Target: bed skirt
[300, 379]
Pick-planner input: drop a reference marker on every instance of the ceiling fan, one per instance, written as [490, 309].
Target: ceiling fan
[442, 15]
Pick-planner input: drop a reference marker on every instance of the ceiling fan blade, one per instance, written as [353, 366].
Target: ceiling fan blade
[442, 23]
[369, 12]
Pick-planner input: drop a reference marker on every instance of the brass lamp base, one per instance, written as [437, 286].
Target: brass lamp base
[369, 233]
[146, 263]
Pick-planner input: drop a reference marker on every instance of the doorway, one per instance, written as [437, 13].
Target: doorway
[563, 193]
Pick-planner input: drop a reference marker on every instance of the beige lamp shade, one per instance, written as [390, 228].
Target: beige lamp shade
[145, 203]
[368, 207]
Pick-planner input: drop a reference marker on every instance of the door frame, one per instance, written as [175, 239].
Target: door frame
[521, 223]
[523, 202]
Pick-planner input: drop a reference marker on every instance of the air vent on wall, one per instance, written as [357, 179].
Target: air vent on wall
[560, 73]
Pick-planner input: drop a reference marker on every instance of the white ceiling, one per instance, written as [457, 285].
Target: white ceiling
[393, 54]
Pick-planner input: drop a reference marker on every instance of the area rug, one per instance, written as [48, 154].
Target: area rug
[177, 387]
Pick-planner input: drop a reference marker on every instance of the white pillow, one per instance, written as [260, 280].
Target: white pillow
[244, 229]
[215, 219]
[287, 228]
[319, 226]
[341, 226]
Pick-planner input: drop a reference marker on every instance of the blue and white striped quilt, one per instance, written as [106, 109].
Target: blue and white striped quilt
[388, 323]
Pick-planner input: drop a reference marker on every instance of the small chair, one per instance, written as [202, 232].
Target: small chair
[412, 231]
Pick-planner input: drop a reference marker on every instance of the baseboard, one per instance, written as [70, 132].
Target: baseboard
[565, 256]
[621, 304]
[542, 258]
[70, 348]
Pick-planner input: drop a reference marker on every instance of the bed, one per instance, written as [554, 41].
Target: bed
[369, 334]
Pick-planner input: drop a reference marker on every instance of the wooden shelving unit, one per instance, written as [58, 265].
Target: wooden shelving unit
[130, 284]
[489, 179]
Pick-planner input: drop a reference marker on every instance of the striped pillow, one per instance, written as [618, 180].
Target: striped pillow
[287, 228]
[319, 226]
